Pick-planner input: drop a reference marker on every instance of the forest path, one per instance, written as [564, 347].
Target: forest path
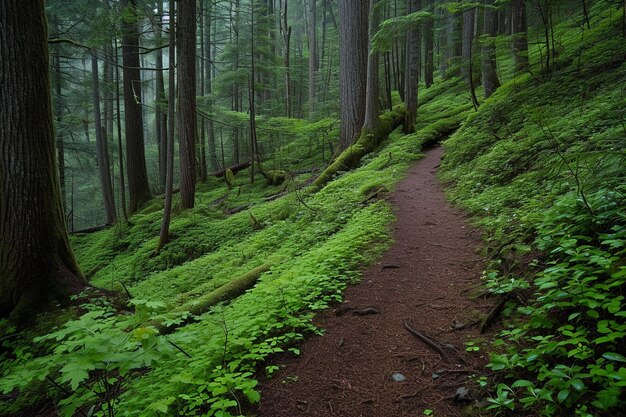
[425, 278]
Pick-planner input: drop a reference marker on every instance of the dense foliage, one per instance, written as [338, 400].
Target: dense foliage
[542, 166]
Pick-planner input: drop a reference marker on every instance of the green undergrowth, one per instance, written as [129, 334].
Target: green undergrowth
[542, 166]
[311, 245]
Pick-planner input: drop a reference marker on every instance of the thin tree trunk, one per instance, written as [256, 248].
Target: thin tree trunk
[38, 265]
[313, 61]
[102, 153]
[161, 114]
[138, 186]
[412, 70]
[353, 36]
[468, 42]
[169, 182]
[120, 149]
[520, 38]
[286, 32]
[489, 64]
[203, 64]
[186, 34]
[209, 87]
[429, 49]
[251, 95]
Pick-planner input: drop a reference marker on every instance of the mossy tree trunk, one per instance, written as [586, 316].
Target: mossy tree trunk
[353, 36]
[37, 265]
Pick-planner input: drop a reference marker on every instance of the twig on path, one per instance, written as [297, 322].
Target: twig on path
[366, 311]
[495, 312]
[389, 266]
[415, 394]
[434, 346]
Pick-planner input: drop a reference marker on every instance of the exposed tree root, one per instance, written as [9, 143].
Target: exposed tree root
[434, 346]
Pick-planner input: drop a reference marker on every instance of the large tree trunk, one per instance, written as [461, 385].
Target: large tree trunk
[412, 70]
[520, 38]
[489, 64]
[102, 148]
[372, 106]
[37, 266]
[352, 68]
[186, 33]
[138, 186]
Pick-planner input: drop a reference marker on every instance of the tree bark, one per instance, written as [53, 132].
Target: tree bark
[313, 61]
[489, 63]
[372, 106]
[169, 182]
[37, 265]
[160, 107]
[412, 70]
[454, 45]
[209, 86]
[58, 112]
[102, 148]
[429, 48]
[468, 42]
[520, 38]
[352, 68]
[138, 186]
[186, 34]
[286, 32]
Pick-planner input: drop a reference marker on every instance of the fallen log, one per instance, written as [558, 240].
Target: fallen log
[226, 292]
[91, 229]
[366, 143]
[235, 169]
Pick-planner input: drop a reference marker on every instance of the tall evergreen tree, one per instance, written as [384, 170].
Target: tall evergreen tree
[186, 35]
[37, 265]
[353, 38]
[138, 186]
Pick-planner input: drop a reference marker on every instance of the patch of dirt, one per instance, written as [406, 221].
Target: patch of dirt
[422, 283]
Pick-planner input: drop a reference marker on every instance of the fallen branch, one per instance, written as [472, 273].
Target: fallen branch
[235, 169]
[494, 313]
[91, 229]
[434, 346]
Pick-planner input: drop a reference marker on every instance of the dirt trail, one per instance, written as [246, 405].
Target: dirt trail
[424, 278]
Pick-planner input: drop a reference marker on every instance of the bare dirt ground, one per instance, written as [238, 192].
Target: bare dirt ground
[424, 281]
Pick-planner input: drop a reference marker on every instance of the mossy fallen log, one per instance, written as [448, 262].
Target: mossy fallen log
[366, 143]
[226, 292]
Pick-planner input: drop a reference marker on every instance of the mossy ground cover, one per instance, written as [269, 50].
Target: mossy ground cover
[311, 244]
[542, 165]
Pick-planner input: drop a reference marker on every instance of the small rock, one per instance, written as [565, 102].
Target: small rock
[398, 377]
[462, 395]
[436, 375]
